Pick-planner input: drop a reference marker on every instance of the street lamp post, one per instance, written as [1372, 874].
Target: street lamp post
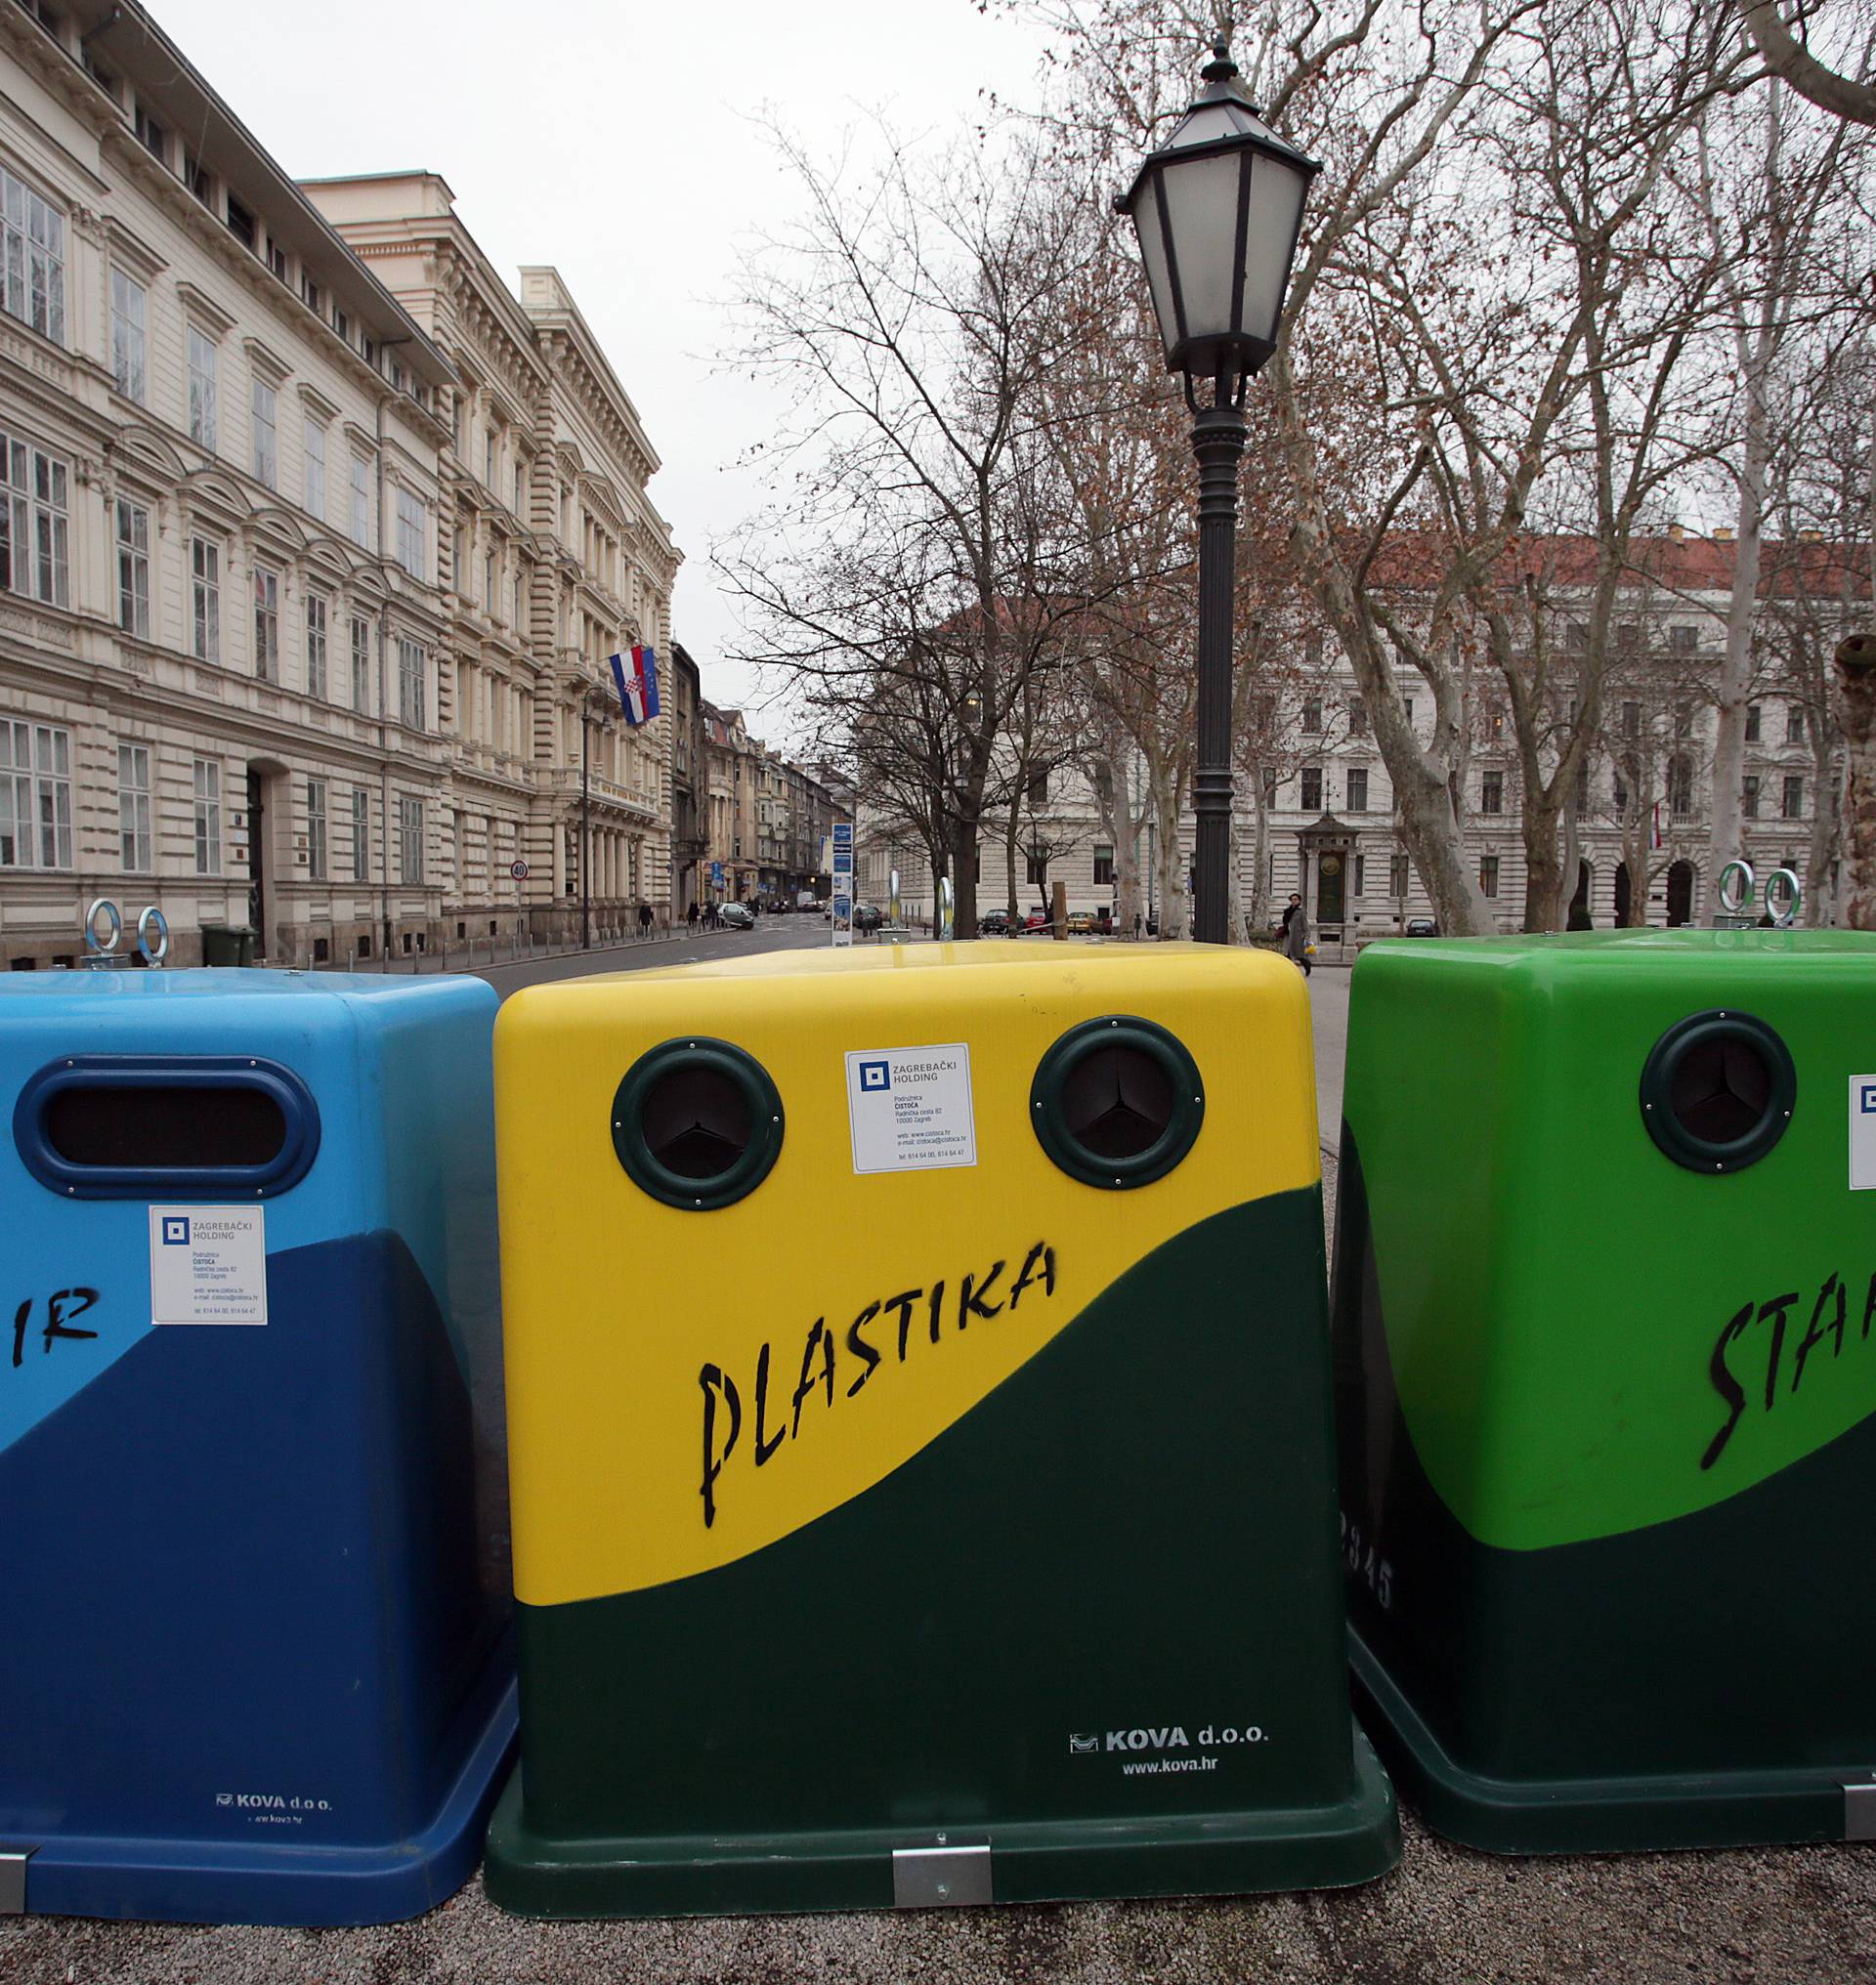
[1218, 210]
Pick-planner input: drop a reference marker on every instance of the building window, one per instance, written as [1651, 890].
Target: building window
[1794, 723]
[412, 517]
[315, 672]
[1630, 720]
[1358, 790]
[410, 685]
[1488, 874]
[1103, 867]
[128, 313]
[1037, 867]
[1312, 802]
[1749, 799]
[195, 176]
[1357, 717]
[1680, 786]
[1491, 792]
[519, 485]
[133, 569]
[1684, 639]
[206, 590]
[133, 807]
[1619, 793]
[1038, 787]
[35, 796]
[360, 835]
[361, 503]
[1407, 710]
[34, 527]
[1752, 725]
[266, 624]
[34, 238]
[488, 459]
[316, 829]
[1312, 714]
[518, 594]
[1576, 637]
[361, 664]
[208, 817]
[1361, 875]
[240, 224]
[315, 449]
[488, 584]
[310, 293]
[267, 446]
[1683, 719]
[152, 135]
[410, 840]
[1794, 802]
[1583, 784]
[1397, 875]
[202, 389]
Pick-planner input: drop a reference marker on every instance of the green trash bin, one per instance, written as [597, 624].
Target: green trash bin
[1604, 1295]
[228, 943]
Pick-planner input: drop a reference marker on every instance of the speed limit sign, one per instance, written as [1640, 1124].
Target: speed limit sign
[518, 870]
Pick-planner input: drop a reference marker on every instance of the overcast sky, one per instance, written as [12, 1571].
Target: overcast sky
[615, 142]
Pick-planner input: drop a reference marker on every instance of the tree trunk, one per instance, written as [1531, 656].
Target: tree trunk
[1259, 913]
[1544, 870]
[1431, 832]
[1736, 667]
[1165, 795]
[1857, 666]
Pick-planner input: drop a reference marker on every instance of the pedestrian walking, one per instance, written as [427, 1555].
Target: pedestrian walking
[1295, 934]
[690, 916]
[644, 919]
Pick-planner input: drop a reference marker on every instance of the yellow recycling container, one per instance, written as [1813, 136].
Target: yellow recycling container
[920, 1429]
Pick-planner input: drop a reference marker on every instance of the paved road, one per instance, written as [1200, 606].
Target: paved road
[1328, 1011]
[771, 934]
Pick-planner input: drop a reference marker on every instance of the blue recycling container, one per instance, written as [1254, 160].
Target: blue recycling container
[255, 1653]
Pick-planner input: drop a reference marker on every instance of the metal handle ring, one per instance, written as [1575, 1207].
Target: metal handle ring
[115, 915]
[1783, 919]
[1735, 902]
[153, 915]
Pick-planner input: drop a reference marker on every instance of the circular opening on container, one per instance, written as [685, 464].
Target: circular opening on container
[1117, 1102]
[697, 1123]
[1718, 1091]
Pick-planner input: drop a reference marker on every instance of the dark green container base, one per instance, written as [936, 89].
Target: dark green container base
[1593, 1815]
[1031, 1861]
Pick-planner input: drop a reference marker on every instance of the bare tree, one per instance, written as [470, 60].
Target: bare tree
[902, 567]
[1789, 56]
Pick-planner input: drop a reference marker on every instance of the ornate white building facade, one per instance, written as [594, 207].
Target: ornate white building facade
[1643, 810]
[256, 664]
[554, 559]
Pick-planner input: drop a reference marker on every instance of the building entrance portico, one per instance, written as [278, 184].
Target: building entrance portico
[1325, 851]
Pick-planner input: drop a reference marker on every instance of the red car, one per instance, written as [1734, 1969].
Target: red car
[1036, 920]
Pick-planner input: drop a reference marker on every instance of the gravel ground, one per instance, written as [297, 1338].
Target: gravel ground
[1799, 1914]
[1445, 1913]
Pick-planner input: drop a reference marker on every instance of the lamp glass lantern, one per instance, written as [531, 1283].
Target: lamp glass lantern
[1219, 209]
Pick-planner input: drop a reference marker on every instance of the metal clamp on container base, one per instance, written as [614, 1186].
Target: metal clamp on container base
[13, 1880]
[942, 1876]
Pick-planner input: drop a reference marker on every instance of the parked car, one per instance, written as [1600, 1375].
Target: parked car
[1082, 923]
[994, 923]
[735, 916]
[1422, 927]
[1037, 921]
[868, 916]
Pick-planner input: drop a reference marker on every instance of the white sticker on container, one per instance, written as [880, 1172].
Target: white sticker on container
[909, 1108]
[207, 1266]
[1863, 1133]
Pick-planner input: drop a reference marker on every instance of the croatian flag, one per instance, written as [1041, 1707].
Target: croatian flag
[637, 674]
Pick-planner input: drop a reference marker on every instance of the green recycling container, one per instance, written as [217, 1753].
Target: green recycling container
[227, 945]
[1605, 1324]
